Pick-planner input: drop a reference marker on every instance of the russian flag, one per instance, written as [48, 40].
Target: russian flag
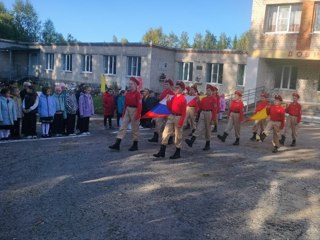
[161, 110]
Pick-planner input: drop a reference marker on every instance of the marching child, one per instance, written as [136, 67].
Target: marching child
[259, 125]
[47, 109]
[7, 114]
[293, 119]
[276, 122]
[235, 118]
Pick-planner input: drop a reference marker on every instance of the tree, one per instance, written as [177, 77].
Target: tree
[235, 42]
[244, 41]
[71, 39]
[197, 41]
[48, 32]
[7, 27]
[154, 36]
[26, 21]
[114, 39]
[170, 40]
[210, 41]
[224, 41]
[184, 40]
[124, 40]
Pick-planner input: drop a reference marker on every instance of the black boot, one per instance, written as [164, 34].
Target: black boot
[223, 138]
[207, 146]
[293, 144]
[282, 140]
[275, 149]
[263, 137]
[155, 137]
[190, 141]
[253, 138]
[192, 132]
[176, 154]
[215, 128]
[236, 143]
[162, 152]
[116, 145]
[134, 146]
[170, 141]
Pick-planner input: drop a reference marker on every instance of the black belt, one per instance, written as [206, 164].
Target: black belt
[236, 111]
[133, 106]
[176, 114]
[207, 110]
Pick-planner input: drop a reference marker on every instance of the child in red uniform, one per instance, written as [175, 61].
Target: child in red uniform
[132, 114]
[276, 122]
[160, 122]
[208, 113]
[294, 118]
[259, 125]
[109, 106]
[192, 109]
[177, 105]
[235, 118]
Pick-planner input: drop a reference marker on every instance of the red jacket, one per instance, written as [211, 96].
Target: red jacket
[165, 93]
[178, 105]
[277, 113]
[194, 103]
[108, 104]
[294, 109]
[209, 103]
[261, 105]
[237, 106]
[133, 99]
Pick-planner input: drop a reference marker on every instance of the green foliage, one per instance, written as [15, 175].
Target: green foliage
[124, 40]
[97, 103]
[244, 41]
[7, 27]
[170, 40]
[26, 20]
[210, 41]
[114, 39]
[224, 42]
[197, 41]
[184, 40]
[154, 36]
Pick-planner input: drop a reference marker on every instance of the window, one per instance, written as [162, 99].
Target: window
[134, 66]
[110, 63]
[241, 74]
[215, 73]
[283, 18]
[316, 24]
[286, 77]
[67, 62]
[185, 71]
[49, 61]
[87, 63]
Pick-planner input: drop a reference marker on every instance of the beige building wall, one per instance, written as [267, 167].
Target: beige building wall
[271, 50]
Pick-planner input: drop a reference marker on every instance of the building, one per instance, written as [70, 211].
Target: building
[86, 62]
[285, 48]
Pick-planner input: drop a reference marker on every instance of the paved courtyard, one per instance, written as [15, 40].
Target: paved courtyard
[75, 188]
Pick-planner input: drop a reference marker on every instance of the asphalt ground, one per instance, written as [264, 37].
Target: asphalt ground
[76, 188]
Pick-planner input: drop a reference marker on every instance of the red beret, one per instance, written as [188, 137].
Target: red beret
[181, 84]
[169, 81]
[188, 88]
[295, 95]
[136, 81]
[263, 94]
[194, 86]
[212, 88]
[278, 97]
[238, 93]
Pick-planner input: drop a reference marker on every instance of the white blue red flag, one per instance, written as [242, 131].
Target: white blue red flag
[161, 110]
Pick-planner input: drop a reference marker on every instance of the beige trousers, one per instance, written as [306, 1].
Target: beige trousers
[204, 125]
[234, 122]
[190, 117]
[291, 124]
[172, 128]
[259, 126]
[160, 123]
[130, 116]
[275, 127]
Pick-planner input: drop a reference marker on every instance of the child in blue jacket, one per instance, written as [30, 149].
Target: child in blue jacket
[47, 109]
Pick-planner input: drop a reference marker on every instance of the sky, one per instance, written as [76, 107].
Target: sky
[100, 20]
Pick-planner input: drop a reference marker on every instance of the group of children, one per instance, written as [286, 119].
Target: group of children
[58, 111]
[206, 109]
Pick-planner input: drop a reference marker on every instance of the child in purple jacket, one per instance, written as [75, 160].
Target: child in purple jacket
[86, 110]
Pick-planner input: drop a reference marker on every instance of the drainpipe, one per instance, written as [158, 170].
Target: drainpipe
[10, 65]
